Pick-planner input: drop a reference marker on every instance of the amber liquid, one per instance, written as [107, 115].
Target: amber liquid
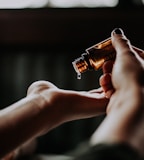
[94, 57]
[100, 53]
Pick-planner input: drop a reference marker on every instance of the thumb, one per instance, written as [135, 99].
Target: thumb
[121, 44]
[126, 66]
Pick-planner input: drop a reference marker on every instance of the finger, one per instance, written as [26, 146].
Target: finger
[139, 51]
[109, 93]
[121, 43]
[127, 67]
[99, 90]
[106, 84]
[125, 56]
[105, 79]
[107, 66]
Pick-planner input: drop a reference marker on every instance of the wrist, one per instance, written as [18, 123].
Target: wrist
[51, 109]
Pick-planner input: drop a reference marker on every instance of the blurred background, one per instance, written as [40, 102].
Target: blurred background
[39, 39]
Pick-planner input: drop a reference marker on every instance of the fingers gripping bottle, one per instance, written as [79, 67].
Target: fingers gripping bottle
[94, 57]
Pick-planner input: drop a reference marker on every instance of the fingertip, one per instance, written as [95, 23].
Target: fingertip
[106, 84]
[109, 93]
[118, 31]
[120, 42]
[105, 79]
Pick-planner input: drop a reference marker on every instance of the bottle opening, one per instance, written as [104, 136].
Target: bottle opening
[74, 63]
[80, 65]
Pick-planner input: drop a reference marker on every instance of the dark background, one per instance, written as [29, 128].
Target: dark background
[40, 44]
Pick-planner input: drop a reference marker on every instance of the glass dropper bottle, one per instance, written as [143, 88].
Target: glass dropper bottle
[94, 57]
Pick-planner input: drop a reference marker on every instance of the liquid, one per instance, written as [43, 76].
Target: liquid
[94, 57]
[100, 53]
[78, 75]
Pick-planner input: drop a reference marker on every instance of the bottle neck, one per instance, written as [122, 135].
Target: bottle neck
[80, 64]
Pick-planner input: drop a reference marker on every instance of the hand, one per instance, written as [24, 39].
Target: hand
[44, 108]
[128, 67]
[125, 74]
[70, 105]
[123, 83]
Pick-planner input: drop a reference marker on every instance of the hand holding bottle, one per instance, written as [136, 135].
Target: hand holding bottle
[128, 67]
[123, 83]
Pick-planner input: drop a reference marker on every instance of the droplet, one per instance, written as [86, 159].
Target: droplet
[78, 76]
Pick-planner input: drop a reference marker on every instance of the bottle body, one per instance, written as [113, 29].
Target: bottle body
[94, 57]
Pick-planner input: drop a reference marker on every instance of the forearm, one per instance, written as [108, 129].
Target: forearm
[22, 121]
[45, 107]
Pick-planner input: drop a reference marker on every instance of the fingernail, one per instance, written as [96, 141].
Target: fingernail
[118, 31]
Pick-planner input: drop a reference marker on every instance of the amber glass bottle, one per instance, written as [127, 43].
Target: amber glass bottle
[94, 57]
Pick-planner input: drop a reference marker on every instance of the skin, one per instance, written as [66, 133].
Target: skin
[44, 108]
[123, 83]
